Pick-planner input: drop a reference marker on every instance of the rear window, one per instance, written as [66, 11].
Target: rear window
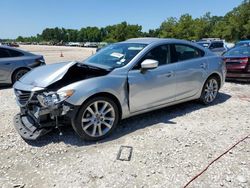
[14, 53]
[4, 53]
[240, 51]
[185, 52]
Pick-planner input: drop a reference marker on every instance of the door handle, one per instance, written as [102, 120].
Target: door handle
[203, 65]
[169, 74]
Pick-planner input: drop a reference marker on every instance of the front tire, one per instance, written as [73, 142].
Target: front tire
[96, 119]
[210, 91]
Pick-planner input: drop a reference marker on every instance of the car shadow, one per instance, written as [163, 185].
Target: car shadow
[242, 82]
[128, 126]
[5, 86]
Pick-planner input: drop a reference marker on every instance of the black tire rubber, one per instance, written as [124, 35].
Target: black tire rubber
[77, 124]
[14, 75]
[202, 97]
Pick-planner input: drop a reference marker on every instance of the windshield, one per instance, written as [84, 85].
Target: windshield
[204, 44]
[239, 51]
[115, 55]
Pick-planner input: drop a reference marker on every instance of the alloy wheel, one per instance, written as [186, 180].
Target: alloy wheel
[20, 73]
[98, 118]
[211, 90]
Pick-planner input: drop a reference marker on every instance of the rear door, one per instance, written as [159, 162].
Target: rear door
[9, 60]
[190, 71]
[153, 87]
[4, 64]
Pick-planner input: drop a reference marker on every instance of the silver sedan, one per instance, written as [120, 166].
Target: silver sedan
[120, 81]
[14, 63]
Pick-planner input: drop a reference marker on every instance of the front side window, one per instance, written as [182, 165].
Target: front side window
[4, 53]
[185, 52]
[160, 54]
[116, 55]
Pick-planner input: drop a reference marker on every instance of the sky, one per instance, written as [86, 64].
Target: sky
[30, 17]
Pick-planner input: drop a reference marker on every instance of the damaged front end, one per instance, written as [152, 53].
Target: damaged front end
[42, 99]
[41, 112]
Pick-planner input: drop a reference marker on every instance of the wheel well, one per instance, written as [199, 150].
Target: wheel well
[20, 68]
[217, 77]
[110, 96]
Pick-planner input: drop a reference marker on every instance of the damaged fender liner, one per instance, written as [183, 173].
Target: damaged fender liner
[25, 126]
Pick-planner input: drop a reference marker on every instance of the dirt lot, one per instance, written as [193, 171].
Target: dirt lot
[170, 146]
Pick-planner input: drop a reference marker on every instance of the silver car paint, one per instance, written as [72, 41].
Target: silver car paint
[10, 64]
[137, 92]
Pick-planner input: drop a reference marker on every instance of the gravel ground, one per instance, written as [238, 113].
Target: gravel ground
[170, 146]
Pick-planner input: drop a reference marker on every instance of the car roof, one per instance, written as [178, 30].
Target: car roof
[148, 40]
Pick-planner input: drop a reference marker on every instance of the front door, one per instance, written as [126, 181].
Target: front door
[153, 87]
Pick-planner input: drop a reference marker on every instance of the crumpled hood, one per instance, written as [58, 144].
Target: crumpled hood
[43, 76]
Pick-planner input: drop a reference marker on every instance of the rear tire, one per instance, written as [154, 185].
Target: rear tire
[18, 74]
[96, 119]
[210, 90]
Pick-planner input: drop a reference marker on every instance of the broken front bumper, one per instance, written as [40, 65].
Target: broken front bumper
[32, 124]
[28, 128]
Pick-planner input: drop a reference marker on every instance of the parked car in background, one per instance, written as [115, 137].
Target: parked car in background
[74, 44]
[91, 44]
[11, 44]
[14, 63]
[216, 46]
[120, 81]
[238, 63]
[243, 43]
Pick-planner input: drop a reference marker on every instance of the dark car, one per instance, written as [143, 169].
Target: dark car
[238, 63]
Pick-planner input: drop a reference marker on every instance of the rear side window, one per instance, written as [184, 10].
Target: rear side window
[14, 53]
[185, 52]
[4, 53]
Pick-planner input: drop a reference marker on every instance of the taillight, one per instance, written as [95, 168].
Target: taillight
[243, 60]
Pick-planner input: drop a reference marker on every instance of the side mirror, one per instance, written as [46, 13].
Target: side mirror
[149, 64]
